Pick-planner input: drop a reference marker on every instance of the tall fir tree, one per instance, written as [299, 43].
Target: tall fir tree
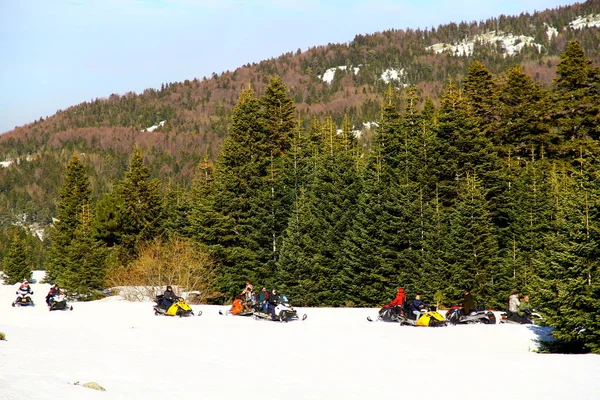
[16, 265]
[472, 250]
[74, 196]
[130, 215]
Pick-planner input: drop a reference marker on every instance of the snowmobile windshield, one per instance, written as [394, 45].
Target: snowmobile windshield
[284, 299]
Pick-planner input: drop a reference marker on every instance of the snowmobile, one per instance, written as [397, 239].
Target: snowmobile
[407, 317]
[179, 308]
[23, 300]
[284, 312]
[239, 308]
[529, 318]
[455, 315]
[59, 302]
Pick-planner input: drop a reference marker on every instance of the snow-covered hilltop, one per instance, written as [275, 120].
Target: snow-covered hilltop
[511, 44]
[591, 21]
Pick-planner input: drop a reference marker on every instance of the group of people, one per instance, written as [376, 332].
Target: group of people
[519, 310]
[400, 304]
[264, 301]
[25, 292]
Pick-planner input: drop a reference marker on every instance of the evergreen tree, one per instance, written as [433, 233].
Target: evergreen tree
[481, 91]
[523, 110]
[74, 196]
[472, 256]
[567, 270]
[131, 214]
[84, 265]
[577, 95]
[16, 265]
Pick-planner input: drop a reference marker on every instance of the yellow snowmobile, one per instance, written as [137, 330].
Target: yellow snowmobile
[179, 308]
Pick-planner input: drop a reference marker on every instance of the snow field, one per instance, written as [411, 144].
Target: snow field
[334, 354]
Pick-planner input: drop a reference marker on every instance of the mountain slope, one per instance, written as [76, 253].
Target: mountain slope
[337, 79]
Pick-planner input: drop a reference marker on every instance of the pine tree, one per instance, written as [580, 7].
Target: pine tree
[16, 265]
[524, 112]
[472, 251]
[131, 214]
[577, 95]
[481, 91]
[84, 265]
[74, 196]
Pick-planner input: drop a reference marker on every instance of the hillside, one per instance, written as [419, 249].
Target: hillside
[180, 123]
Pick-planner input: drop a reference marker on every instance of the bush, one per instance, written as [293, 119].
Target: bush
[180, 263]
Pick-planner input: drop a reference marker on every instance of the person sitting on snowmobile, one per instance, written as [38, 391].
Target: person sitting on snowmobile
[394, 307]
[272, 303]
[513, 304]
[524, 310]
[468, 302]
[418, 306]
[54, 291]
[24, 291]
[247, 297]
[263, 300]
[169, 297]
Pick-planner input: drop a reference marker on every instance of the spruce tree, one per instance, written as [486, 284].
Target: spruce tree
[16, 264]
[84, 265]
[472, 250]
[74, 196]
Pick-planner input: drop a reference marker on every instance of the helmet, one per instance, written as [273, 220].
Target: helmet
[274, 291]
[25, 281]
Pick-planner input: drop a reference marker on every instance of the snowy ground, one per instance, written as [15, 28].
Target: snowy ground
[334, 354]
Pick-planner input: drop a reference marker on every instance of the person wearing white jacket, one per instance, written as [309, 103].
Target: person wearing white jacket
[514, 303]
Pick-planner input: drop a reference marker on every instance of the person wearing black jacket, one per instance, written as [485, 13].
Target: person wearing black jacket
[468, 303]
[273, 302]
[169, 297]
[54, 291]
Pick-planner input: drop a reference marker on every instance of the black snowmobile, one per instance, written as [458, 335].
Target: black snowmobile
[456, 315]
[179, 308]
[530, 317]
[23, 300]
[284, 312]
[407, 317]
[59, 302]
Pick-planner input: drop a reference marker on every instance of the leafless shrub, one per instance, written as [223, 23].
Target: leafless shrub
[178, 262]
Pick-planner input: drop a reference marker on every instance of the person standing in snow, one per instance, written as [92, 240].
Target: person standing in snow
[468, 302]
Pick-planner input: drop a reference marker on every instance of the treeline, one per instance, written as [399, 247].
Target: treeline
[495, 189]
[198, 111]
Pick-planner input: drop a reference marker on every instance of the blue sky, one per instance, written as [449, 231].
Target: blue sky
[58, 53]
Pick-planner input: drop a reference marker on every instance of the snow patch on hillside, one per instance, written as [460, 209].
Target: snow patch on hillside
[511, 44]
[6, 164]
[154, 127]
[550, 31]
[392, 74]
[590, 21]
[330, 73]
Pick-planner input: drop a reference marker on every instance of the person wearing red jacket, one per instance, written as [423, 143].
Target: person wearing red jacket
[394, 306]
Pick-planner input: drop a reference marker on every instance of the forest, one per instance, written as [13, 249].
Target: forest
[493, 187]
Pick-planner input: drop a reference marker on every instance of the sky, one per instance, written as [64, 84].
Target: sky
[59, 53]
[334, 354]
